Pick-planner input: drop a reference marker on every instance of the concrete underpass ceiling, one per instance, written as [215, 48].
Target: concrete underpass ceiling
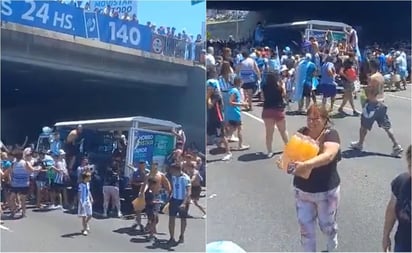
[289, 11]
[31, 82]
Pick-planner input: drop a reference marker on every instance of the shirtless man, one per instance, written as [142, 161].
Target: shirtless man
[71, 149]
[196, 180]
[375, 110]
[158, 181]
[315, 52]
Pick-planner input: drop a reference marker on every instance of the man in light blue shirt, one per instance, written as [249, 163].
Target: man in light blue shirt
[327, 81]
[179, 201]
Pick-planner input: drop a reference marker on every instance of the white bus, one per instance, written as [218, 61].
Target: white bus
[290, 34]
[148, 139]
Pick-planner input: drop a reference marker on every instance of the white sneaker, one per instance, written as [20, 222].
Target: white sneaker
[233, 139]
[84, 232]
[243, 147]
[204, 216]
[269, 154]
[356, 145]
[119, 214]
[332, 244]
[397, 150]
[227, 157]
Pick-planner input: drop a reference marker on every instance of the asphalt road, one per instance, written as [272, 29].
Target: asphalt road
[254, 204]
[55, 231]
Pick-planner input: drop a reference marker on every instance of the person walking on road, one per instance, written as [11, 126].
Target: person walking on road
[179, 201]
[273, 113]
[250, 74]
[348, 75]
[375, 110]
[399, 209]
[85, 210]
[327, 85]
[137, 182]
[234, 116]
[317, 197]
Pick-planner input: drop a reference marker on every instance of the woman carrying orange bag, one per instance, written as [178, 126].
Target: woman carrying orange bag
[316, 180]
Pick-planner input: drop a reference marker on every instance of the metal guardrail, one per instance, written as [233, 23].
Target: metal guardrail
[174, 47]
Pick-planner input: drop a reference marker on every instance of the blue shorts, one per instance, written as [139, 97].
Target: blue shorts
[403, 73]
[174, 208]
[328, 90]
[250, 86]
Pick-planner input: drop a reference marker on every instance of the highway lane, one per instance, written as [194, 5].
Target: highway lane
[55, 231]
[255, 207]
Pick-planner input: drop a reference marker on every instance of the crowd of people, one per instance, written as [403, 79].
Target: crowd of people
[225, 15]
[280, 78]
[65, 178]
[177, 44]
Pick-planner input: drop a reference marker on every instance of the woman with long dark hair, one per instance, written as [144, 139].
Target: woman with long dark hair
[399, 210]
[273, 113]
[348, 76]
[213, 105]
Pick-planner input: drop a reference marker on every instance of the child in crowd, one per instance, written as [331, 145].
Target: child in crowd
[234, 117]
[85, 202]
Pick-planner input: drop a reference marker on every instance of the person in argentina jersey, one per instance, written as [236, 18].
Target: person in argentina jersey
[85, 210]
[179, 201]
[19, 175]
[225, 84]
[250, 74]
[57, 186]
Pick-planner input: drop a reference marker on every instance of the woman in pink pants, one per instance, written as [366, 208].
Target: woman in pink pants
[317, 197]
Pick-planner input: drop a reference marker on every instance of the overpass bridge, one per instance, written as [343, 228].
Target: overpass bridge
[50, 51]
[350, 12]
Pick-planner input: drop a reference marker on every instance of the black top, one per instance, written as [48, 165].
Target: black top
[322, 178]
[401, 189]
[111, 178]
[230, 60]
[273, 97]
[149, 199]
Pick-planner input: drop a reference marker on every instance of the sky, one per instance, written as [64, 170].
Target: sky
[180, 14]
[174, 13]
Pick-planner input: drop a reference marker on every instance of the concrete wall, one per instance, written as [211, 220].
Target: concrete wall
[244, 29]
[192, 106]
[34, 46]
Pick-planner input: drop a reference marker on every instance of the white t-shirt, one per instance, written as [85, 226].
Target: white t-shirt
[210, 59]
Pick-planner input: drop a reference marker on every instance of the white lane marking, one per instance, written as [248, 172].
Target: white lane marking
[253, 117]
[5, 228]
[396, 96]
